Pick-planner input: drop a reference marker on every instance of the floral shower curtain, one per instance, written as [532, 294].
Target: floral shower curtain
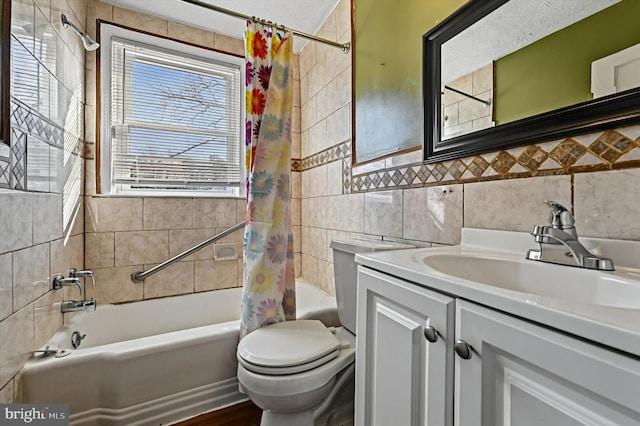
[268, 294]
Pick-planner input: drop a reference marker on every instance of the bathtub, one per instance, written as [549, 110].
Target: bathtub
[152, 362]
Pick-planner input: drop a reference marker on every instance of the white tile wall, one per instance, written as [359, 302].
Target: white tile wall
[514, 204]
[113, 214]
[16, 220]
[30, 274]
[606, 204]
[383, 213]
[6, 286]
[167, 213]
[433, 214]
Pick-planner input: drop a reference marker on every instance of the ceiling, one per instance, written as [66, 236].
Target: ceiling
[302, 15]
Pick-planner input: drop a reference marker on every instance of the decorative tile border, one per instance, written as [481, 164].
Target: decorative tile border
[329, 155]
[26, 122]
[5, 166]
[18, 160]
[609, 150]
[346, 174]
[30, 121]
[4, 174]
[612, 149]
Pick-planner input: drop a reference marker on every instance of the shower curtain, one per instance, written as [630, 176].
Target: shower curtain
[268, 294]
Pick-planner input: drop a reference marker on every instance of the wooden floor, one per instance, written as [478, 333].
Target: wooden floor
[244, 414]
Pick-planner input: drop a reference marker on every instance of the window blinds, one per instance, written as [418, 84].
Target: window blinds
[175, 120]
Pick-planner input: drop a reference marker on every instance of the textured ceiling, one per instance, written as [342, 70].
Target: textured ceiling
[516, 24]
[509, 28]
[302, 15]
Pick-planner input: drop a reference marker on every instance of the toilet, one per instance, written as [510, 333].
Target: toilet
[294, 370]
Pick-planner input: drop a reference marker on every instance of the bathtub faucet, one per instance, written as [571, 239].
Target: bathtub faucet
[78, 305]
[60, 281]
[74, 273]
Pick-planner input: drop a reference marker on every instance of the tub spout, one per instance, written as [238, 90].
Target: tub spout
[78, 305]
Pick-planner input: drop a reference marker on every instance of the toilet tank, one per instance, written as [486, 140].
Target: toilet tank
[345, 271]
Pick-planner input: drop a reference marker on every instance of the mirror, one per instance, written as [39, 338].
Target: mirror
[387, 74]
[497, 74]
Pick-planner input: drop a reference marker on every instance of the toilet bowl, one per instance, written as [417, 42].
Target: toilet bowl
[304, 363]
[295, 370]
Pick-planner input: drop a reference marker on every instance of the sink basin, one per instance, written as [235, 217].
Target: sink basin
[619, 289]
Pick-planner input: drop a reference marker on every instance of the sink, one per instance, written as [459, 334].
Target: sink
[488, 267]
[619, 289]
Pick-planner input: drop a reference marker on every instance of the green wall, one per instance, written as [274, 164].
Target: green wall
[556, 71]
[388, 71]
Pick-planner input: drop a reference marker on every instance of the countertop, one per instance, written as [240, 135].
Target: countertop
[615, 327]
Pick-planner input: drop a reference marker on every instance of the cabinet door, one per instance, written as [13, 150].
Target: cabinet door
[402, 378]
[522, 374]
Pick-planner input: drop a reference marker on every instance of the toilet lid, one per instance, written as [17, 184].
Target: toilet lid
[288, 347]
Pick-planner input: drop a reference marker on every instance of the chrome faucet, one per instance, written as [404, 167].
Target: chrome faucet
[60, 281]
[74, 273]
[78, 305]
[558, 236]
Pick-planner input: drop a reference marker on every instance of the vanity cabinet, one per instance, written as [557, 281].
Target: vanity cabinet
[404, 361]
[523, 374]
[514, 372]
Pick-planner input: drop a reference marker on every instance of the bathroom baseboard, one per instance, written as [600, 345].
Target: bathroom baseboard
[166, 410]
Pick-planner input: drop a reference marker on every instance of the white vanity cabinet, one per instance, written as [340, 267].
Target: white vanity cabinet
[519, 373]
[523, 374]
[404, 347]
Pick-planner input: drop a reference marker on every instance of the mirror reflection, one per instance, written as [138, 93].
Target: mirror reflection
[527, 58]
[387, 73]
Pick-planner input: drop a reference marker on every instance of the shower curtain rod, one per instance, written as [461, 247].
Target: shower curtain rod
[345, 47]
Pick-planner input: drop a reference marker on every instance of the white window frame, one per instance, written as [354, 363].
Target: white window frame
[107, 33]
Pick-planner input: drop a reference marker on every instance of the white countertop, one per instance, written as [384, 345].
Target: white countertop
[612, 326]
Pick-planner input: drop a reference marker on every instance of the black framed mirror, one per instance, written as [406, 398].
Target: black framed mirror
[561, 115]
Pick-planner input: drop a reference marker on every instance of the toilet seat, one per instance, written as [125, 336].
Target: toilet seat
[278, 371]
[288, 347]
[270, 386]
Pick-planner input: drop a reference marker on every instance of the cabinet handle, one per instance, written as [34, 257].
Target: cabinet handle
[431, 334]
[463, 349]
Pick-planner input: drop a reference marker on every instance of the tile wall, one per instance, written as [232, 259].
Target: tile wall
[462, 114]
[41, 206]
[125, 235]
[128, 234]
[597, 175]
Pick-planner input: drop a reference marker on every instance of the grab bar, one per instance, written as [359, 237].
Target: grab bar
[138, 277]
[460, 92]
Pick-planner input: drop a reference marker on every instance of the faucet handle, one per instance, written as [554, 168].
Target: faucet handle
[60, 281]
[74, 273]
[560, 217]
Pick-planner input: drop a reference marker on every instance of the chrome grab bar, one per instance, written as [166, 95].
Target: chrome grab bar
[138, 277]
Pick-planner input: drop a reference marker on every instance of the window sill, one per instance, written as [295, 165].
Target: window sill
[151, 195]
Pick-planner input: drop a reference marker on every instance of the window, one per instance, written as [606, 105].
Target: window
[171, 118]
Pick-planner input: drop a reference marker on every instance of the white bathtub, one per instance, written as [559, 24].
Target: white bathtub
[153, 362]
